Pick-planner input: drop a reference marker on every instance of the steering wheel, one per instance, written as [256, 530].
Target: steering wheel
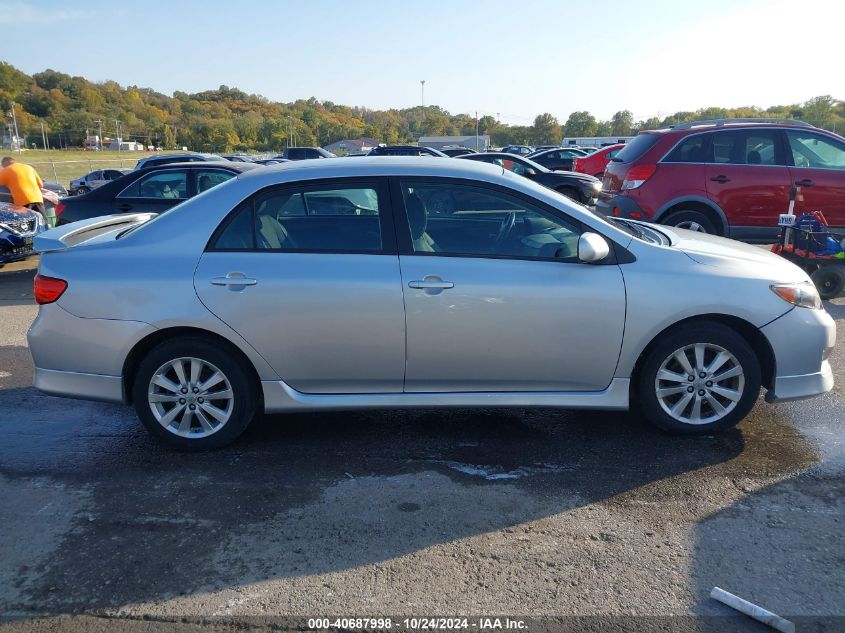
[505, 229]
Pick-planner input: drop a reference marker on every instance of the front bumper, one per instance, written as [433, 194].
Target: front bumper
[14, 247]
[802, 340]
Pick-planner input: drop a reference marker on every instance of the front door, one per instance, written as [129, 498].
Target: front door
[818, 167]
[747, 177]
[495, 298]
[308, 275]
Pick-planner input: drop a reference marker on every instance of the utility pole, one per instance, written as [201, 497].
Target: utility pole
[422, 97]
[15, 123]
[43, 136]
[99, 134]
[117, 131]
[476, 130]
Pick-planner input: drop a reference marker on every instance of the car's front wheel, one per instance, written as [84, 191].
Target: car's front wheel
[699, 379]
[193, 395]
[692, 221]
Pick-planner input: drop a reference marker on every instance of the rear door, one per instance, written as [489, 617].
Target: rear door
[495, 298]
[818, 166]
[747, 177]
[155, 192]
[308, 274]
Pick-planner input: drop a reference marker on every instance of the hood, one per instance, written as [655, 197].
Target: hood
[576, 175]
[12, 213]
[711, 250]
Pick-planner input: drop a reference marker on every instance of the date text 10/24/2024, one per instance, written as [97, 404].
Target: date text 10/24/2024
[417, 624]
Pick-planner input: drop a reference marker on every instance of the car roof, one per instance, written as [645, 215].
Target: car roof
[212, 164]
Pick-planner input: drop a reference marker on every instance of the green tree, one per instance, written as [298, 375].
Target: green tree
[546, 129]
[580, 123]
[820, 111]
[169, 137]
[622, 123]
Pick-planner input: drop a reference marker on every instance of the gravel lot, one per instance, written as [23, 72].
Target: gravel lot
[491, 512]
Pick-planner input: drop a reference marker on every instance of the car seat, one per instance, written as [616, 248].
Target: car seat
[418, 222]
[204, 183]
[754, 158]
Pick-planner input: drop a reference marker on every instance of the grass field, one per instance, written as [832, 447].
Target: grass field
[64, 165]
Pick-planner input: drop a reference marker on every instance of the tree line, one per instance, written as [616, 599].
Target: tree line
[67, 109]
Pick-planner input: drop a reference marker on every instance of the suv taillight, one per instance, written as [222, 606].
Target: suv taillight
[47, 289]
[59, 208]
[637, 176]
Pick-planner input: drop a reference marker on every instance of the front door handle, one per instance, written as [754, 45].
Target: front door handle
[125, 206]
[430, 283]
[233, 279]
[720, 178]
[805, 183]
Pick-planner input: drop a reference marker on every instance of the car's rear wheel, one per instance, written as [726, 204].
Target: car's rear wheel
[701, 378]
[193, 395]
[692, 221]
[829, 281]
[82, 190]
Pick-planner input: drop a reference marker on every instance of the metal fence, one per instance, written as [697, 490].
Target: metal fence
[63, 171]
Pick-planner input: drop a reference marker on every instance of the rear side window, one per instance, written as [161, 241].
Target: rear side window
[743, 147]
[172, 184]
[320, 218]
[635, 148]
[689, 150]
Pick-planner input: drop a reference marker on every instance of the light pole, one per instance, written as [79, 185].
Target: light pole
[15, 123]
[476, 130]
[117, 131]
[99, 134]
[422, 95]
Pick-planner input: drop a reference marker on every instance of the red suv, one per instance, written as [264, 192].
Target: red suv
[595, 162]
[729, 177]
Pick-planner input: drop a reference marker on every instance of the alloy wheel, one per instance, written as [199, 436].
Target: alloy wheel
[691, 225]
[190, 397]
[699, 383]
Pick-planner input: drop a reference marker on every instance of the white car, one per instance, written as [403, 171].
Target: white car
[95, 179]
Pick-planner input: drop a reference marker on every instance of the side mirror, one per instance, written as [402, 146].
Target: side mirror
[529, 172]
[592, 248]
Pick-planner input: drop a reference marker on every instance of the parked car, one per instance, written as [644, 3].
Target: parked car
[519, 150]
[96, 178]
[271, 161]
[595, 162]
[48, 191]
[728, 177]
[153, 189]
[18, 227]
[543, 148]
[166, 159]
[239, 158]
[457, 151]
[578, 187]
[559, 159]
[56, 188]
[392, 283]
[305, 153]
[405, 150]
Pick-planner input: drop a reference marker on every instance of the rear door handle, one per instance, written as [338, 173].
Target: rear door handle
[720, 178]
[233, 281]
[805, 183]
[431, 284]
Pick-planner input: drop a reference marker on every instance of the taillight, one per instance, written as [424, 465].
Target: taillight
[47, 289]
[59, 208]
[637, 176]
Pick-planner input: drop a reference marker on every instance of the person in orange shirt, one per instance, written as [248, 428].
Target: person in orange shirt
[24, 183]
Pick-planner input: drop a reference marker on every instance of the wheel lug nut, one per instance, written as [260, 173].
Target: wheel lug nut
[196, 390]
[690, 389]
[690, 378]
[192, 407]
[702, 375]
[184, 390]
[709, 383]
[200, 400]
[701, 392]
[181, 401]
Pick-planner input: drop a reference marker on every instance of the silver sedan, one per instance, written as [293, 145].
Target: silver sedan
[410, 282]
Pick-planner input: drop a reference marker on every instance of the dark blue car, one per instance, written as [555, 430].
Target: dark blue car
[18, 226]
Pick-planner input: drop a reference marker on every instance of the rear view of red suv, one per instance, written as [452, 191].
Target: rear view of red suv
[727, 177]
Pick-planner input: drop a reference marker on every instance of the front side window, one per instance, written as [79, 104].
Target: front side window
[458, 219]
[208, 178]
[171, 184]
[811, 150]
[328, 219]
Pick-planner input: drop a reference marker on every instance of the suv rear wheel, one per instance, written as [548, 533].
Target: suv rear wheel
[691, 220]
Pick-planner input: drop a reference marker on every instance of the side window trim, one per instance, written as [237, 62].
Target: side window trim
[403, 231]
[385, 215]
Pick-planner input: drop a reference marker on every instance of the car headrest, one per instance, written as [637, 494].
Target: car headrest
[417, 216]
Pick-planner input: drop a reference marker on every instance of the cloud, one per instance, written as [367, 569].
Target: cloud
[19, 12]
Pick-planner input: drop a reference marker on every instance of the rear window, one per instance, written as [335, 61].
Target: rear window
[635, 148]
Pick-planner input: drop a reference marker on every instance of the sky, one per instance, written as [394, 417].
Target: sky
[506, 58]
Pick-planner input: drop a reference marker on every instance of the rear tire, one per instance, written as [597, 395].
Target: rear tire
[829, 281]
[691, 220]
[714, 401]
[193, 395]
[82, 191]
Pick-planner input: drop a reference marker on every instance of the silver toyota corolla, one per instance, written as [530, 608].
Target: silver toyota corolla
[411, 282]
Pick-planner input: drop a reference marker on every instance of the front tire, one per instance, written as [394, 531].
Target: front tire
[692, 221]
[829, 281]
[193, 395]
[699, 379]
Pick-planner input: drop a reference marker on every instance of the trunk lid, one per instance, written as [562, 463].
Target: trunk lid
[97, 229]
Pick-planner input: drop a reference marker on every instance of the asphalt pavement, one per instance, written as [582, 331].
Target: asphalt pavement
[593, 518]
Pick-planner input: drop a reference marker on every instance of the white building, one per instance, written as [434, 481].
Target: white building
[125, 146]
[595, 141]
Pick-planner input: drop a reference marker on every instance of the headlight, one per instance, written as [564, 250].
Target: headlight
[597, 185]
[803, 295]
